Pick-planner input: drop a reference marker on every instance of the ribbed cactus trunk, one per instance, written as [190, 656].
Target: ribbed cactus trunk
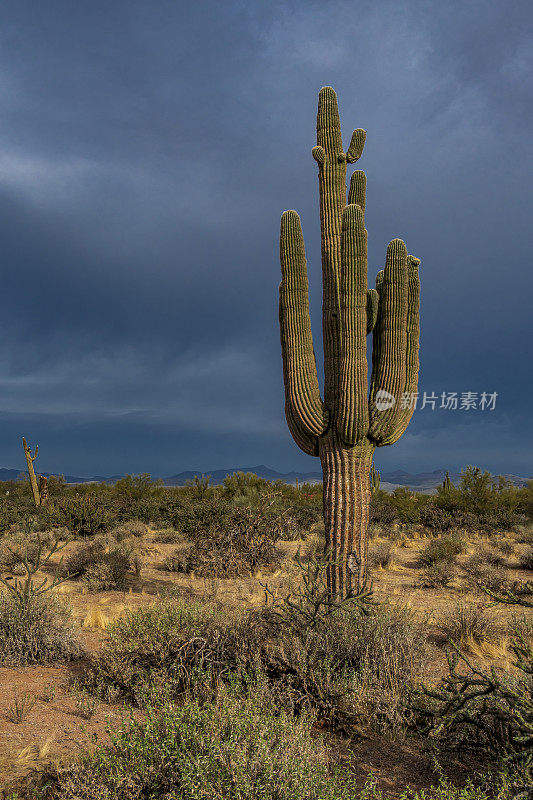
[345, 427]
[346, 493]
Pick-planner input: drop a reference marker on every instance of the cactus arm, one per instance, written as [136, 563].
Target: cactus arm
[331, 161]
[352, 420]
[357, 191]
[372, 299]
[303, 406]
[390, 370]
[412, 358]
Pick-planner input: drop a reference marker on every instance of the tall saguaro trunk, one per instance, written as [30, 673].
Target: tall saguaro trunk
[345, 428]
[346, 492]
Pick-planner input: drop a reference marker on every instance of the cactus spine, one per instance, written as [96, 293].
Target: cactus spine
[31, 472]
[344, 428]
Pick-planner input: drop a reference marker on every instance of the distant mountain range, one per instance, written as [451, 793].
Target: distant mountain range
[425, 482]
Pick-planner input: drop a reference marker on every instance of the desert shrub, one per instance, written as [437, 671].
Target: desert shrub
[299, 520]
[380, 555]
[133, 527]
[445, 548]
[168, 536]
[168, 645]
[526, 558]
[481, 575]
[175, 562]
[244, 487]
[232, 749]
[465, 623]
[83, 515]
[438, 575]
[472, 708]
[382, 511]
[350, 661]
[40, 631]
[435, 518]
[466, 520]
[485, 556]
[21, 541]
[524, 533]
[232, 540]
[505, 547]
[346, 666]
[102, 563]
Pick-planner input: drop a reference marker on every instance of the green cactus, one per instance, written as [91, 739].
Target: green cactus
[345, 427]
[446, 483]
[375, 479]
[31, 472]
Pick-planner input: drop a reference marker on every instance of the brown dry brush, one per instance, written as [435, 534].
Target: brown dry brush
[475, 708]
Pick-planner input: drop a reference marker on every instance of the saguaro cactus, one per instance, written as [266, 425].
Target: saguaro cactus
[375, 479]
[446, 483]
[31, 472]
[346, 426]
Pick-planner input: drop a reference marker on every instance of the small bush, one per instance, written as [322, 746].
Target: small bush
[40, 631]
[483, 575]
[168, 536]
[485, 556]
[446, 548]
[437, 576]
[102, 563]
[133, 527]
[381, 555]
[435, 518]
[232, 540]
[175, 562]
[165, 646]
[20, 541]
[526, 559]
[466, 623]
[232, 749]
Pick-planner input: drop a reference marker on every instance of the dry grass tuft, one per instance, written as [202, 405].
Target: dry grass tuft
[96, 619]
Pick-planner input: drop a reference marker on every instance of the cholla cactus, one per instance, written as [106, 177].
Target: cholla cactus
[344, 428]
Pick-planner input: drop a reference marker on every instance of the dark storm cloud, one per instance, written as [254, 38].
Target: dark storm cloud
[146, 153]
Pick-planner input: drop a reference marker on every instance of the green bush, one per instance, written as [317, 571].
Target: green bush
[233, 749]
[82, 514]
[133, 527]
[445, 548]
[435, 518]
[167, 645]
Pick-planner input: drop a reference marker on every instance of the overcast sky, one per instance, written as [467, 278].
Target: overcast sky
[147, 150]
